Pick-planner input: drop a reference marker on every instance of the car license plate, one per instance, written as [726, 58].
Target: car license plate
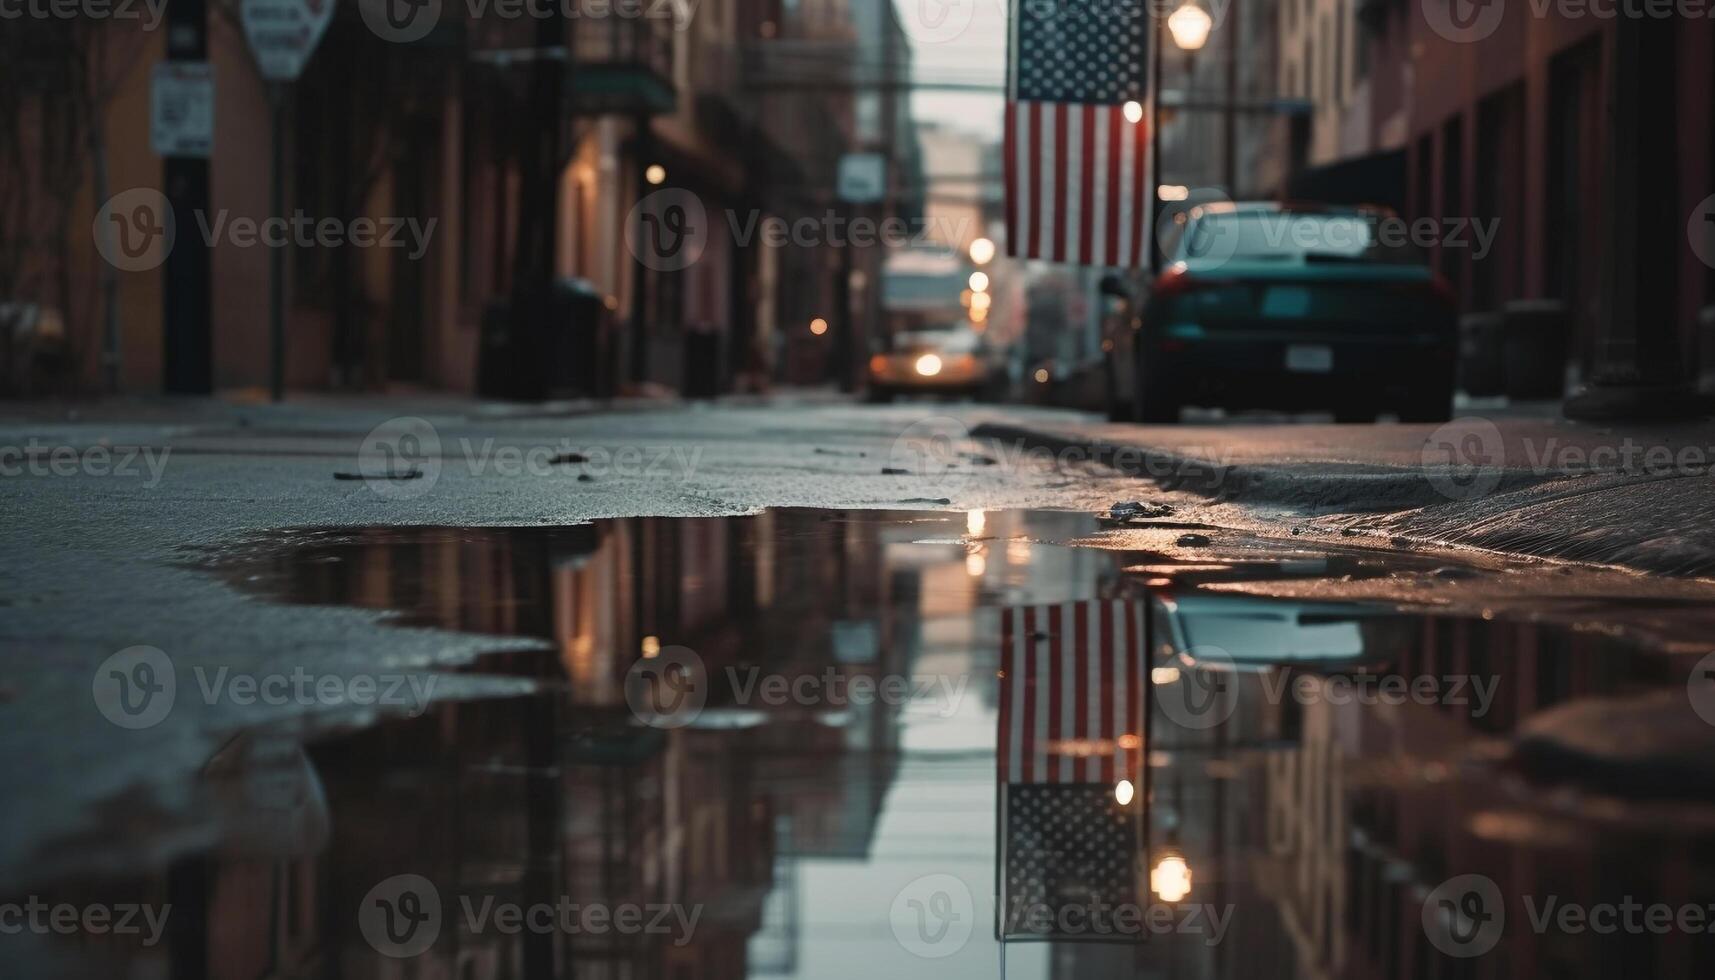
[1307, 359]
[1286, 302]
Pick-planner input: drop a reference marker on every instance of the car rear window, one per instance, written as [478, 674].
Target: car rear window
[950, 341]
[1294, 236]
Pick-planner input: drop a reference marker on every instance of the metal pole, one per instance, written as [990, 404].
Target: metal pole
[187, 316]
[640, 269]
[277, 258]
[1230, 116]
[844, 321]
[1155, 71]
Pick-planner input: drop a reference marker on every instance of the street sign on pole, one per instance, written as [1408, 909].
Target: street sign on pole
[284, 33]
[863, 178]
[181, 109]
[277, 260]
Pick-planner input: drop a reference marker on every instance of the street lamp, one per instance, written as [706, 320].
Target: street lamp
[1170, 879]
[1190, 26]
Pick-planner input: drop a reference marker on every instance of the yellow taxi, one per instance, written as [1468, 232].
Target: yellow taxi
[949, 360]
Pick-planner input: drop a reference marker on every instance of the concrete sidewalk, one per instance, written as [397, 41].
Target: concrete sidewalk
[312, 405]
[1640, 497]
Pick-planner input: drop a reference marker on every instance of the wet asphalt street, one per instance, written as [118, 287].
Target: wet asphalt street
[825, 692]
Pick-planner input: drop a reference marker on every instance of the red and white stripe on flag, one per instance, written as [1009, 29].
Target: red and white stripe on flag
[1071, 692]
[1077, 184]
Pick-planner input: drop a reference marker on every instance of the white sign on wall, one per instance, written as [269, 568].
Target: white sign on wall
[181, 109]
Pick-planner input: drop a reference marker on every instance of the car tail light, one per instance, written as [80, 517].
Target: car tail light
[1177, 281]
[1443, 289]
[1436, 290]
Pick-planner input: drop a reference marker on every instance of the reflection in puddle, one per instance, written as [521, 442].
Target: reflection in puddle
[858, 745]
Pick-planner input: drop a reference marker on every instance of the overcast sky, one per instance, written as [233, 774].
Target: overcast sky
[958, 40]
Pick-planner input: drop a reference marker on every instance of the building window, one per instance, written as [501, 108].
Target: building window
[1340, 16]
[1309, 64]
[1362, 38]
[1327, 66]
[1422, 204]
[1453, 198]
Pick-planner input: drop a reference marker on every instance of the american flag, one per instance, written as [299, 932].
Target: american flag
[1078, 180]
[1071, 730]
[1071, 693]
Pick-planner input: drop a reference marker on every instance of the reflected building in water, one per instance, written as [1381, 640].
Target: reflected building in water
[1328, 819]
[1323, 825]
[522, 801]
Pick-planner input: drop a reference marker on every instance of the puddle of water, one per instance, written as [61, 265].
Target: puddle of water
[823, 745]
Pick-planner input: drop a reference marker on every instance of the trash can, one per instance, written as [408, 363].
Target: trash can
[497, 353]
[572, 350]
[1482, 363]
[34, 355]
[565, 352]
[1706, 347]
[702, 361]
[1537, 336]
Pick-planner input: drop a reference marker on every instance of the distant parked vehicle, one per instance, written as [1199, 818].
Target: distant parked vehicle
[1298, 308]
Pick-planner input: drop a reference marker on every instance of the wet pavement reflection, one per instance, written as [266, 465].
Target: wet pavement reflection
[808, 744]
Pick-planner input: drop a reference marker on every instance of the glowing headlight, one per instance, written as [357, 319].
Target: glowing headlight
[928, 365]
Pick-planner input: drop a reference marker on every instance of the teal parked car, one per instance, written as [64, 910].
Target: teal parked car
[1296, 308]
